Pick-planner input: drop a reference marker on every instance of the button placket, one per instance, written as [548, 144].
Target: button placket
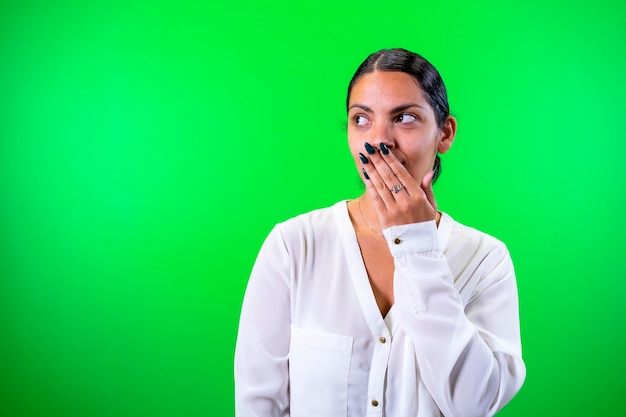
[378, 373]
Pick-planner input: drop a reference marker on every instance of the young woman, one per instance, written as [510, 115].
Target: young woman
[382, 305]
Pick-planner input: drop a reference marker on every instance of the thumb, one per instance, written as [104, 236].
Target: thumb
[427, 187]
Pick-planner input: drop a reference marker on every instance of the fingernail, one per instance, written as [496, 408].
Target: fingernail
[367, 177]
[363, 158]
[369, 148]
[384, 149]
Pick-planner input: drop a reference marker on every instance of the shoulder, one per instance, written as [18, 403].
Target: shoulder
[460, 237]
[476, 259]
[312, 225]
[318, 218]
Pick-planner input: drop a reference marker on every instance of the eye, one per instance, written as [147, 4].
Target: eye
[406, 118]
[360, 120]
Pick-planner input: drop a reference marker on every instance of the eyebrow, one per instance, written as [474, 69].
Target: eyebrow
[396, 109]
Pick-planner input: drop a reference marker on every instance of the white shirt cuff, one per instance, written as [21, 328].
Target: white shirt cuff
[412, 238]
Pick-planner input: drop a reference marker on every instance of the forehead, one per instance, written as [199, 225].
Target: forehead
[386, 87]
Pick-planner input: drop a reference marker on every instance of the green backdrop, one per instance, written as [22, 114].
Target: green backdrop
[147, 148]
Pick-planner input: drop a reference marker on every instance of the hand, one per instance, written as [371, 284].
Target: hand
[397, 197]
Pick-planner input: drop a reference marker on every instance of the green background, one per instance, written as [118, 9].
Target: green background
[147, 148]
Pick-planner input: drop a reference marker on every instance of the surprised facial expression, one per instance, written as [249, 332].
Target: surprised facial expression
[390, 107]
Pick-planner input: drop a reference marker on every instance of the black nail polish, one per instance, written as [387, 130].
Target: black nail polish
[363, 158]
[384, 149]
[369, 148]
[367, 177]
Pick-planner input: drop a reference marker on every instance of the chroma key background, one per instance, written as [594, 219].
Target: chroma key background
[148, 147]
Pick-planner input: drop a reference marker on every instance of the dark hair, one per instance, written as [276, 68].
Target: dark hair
[425, 74]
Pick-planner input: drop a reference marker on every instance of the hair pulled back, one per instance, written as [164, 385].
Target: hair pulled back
[426, 75]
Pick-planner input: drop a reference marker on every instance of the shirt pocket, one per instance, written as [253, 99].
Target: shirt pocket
[319, 364]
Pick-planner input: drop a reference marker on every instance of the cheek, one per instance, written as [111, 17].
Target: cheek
[355, 144]
[352, 147]
[421, 147]
[431, 142]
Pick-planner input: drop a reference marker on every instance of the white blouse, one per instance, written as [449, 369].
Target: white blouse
[313, 343]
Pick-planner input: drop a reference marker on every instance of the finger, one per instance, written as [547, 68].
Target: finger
[386, 172]
[427, 187]
[379, 168]
[377, 188]
[397, 173]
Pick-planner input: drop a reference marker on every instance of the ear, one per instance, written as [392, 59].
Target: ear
[447, 135]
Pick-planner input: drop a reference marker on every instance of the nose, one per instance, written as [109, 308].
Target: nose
[383, 133]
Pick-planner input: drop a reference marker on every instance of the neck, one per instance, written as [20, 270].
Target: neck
[367, 218]
[369, 225]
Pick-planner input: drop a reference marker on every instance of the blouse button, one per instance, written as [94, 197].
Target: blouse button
[375, 403]
[382, 339]
[397, 241]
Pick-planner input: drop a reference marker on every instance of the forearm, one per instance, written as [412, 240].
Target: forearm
[471, 366]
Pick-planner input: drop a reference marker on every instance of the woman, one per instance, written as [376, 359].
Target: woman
[382, 306]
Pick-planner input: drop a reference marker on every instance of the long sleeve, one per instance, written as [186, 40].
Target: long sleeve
[262, 350]
[468, 350]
